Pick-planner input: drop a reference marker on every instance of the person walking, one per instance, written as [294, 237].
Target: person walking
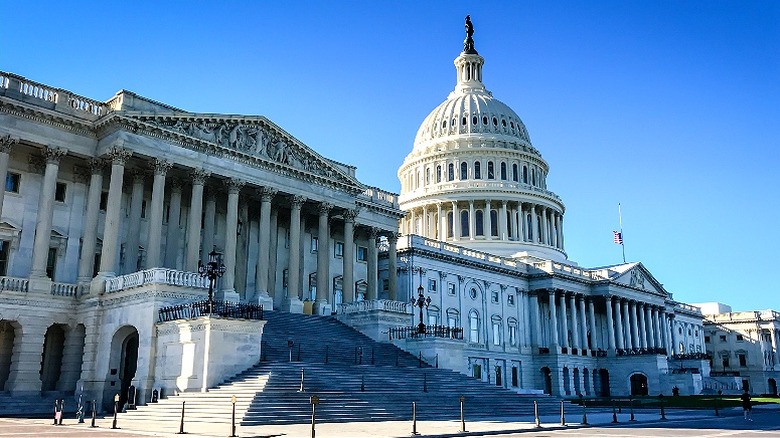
[747, 406]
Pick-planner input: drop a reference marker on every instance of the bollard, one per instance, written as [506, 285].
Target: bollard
[425, 382]
[563, 415]
[584, 412]
[302, 378]
[62, 410]
[94, 413]
[614, 413]
[631, 406]
[326, 354]
[362, 382]
[717, 399]
[462, 417]
[181, 423]
[290, 347]
[314, 402]
[663, 413]
[233, 418]
[437, 360]
[116, 410]
[536, 415]
[414, 419]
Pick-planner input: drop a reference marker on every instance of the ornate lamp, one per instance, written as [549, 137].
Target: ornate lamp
[212, 270]
[421, 302]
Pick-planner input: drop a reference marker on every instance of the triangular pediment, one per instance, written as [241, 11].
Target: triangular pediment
[635, 275]
[254, 137]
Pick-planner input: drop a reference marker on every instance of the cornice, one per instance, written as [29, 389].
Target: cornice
[47, 117]
[414, 251]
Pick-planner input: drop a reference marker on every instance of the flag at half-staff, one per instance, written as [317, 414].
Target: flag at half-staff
[618, 237]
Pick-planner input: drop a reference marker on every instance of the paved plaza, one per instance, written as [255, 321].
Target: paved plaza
[680, 423]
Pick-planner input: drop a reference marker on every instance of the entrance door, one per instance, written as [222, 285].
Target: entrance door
[638, 384]
[7, 335]
[51, 363]
[772, 383]
[604, 377]
[499, 376]
[129, 366]
[547, 378]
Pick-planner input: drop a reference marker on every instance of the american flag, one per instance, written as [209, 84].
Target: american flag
[618, 237]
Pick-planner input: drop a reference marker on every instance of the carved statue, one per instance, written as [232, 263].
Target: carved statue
[468, 45]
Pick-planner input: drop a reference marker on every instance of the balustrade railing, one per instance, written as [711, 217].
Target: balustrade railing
[64, 290]
[13, 284]
[170, 277]
[431, 331]
[222, 309]
[639, 351]
[51, 95]
[369, 305]
[692, 356]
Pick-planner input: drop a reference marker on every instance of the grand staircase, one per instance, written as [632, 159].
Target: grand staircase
[355, 378]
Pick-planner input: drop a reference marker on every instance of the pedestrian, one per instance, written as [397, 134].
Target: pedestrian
[747, 407]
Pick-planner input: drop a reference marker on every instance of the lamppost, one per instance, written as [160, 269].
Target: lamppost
[212, 270]
[421, 302]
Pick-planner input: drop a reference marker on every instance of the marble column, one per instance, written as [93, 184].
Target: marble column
[455, 222]
[413, 222]
[583, 323]
[264, 246]
[372, 270]
[619, 327]
[503, 232]
[194, 219]
[610, 323]
[526, 317]
[89, 238]
[675, 336]
[6, 144]
[659, 331]
[228, 292]
[594, 340]
[575, 330]
[439, 224]
[626, 325]
[154, 246]
[473, 221]
[545, 230]
[392, 267]
[273, 259]
[321, 304]
[134, 223]
[564, 322]
[560, 232]
[108, 258]
[45, 211]
[650, 333]
[634, 324]
[642, 334]
[536, 320]
[534, 234]
[348, 270]
[553, 321]
[515, 224]
[488, 221]
[209, 219]
[425, 231]
[174, 219]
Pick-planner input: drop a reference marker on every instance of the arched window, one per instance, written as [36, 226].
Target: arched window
[427, 176]
[509, 224]
[479, 223]
[449, 225]
[473, 326]
[512, 331]
[533, 176]
[453, 317]
[491, 170]
[538, 230]
[451, 172]
[529, 225]
[494, 222]
[525, 174]
[438, 173]
[514, 172]
[464, 171]
[464, 223]
[495, 322]
[477, 170]
[503, 171]
[433, 315]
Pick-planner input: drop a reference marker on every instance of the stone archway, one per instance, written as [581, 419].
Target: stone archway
[604, 382]
[772, 386]
[566, 382]
[638, 384]
[122, 366]
[51, 360]
[547, 380]
[8, 335]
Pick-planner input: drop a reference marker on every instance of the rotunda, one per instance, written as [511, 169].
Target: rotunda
[473, 177]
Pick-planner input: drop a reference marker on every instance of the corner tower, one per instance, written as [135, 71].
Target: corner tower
[473, 177]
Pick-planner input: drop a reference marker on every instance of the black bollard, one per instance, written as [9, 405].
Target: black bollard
[233, 418]
[116, 410]
[563, 415]
[94, 413]
[326, 354]
[536, 415]
[717, 399]
[663, 413]
[631, 406]
[362, 382]
[62, 410]
[414, 419]
[614, 413]
[181, 423]
[584, 412]
[314, 402]
[462, 417]
[425, 382]
[302, 378]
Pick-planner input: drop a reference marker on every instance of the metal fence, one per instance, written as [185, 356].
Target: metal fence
[222, 309]
[435, 331]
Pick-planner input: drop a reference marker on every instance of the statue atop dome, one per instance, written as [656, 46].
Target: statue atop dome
[468, 44]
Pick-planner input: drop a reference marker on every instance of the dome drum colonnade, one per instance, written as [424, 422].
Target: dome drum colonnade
[473, 176]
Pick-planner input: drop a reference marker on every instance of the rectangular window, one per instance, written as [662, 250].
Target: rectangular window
[496, 333]
[314, 244]
[433, 318]
[512, 335]
[451, 288]
[51, 263]
[722, 338]
[4, 245]
[510, 299]
[432, 285]
[473, 330]
[706, 339]
[338, 249]
[742, 360]
[362, 254]
[452, 321]
[477, 371]
[740, 338]
[515, 376]
[59, 192]
[12, 182]
[494, 297]
[103, 201]
[385, 284]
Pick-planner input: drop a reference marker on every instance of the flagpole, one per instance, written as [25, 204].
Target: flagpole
[622, 237]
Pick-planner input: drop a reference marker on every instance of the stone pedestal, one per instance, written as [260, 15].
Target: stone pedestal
[39, 285]
[266, 301]
[293, 305]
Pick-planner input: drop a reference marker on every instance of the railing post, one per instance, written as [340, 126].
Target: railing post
[233, 400]
[614, 413]
[631, 406]
[116, 410]
[663, 413]
[425, 382]
[563, 415]
[584, 411]
[536, 415]
[181, 423]
[314, 400]
[462, 416]
[414, 419]
[302, 378]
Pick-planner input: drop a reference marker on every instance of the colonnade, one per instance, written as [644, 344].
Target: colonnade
[197, 244]
[474, 219]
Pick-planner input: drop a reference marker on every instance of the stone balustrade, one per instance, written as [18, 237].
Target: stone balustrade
[410, 241]
[13, 284]
[369, 305]
[379, 196]
[64, 289]
[562, 268]
[50, 97]
[476, 185]
[165, 276]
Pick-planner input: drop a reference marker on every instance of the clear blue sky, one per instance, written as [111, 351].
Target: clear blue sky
[670, 107]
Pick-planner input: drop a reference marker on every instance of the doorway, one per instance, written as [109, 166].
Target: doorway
[638, 384]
